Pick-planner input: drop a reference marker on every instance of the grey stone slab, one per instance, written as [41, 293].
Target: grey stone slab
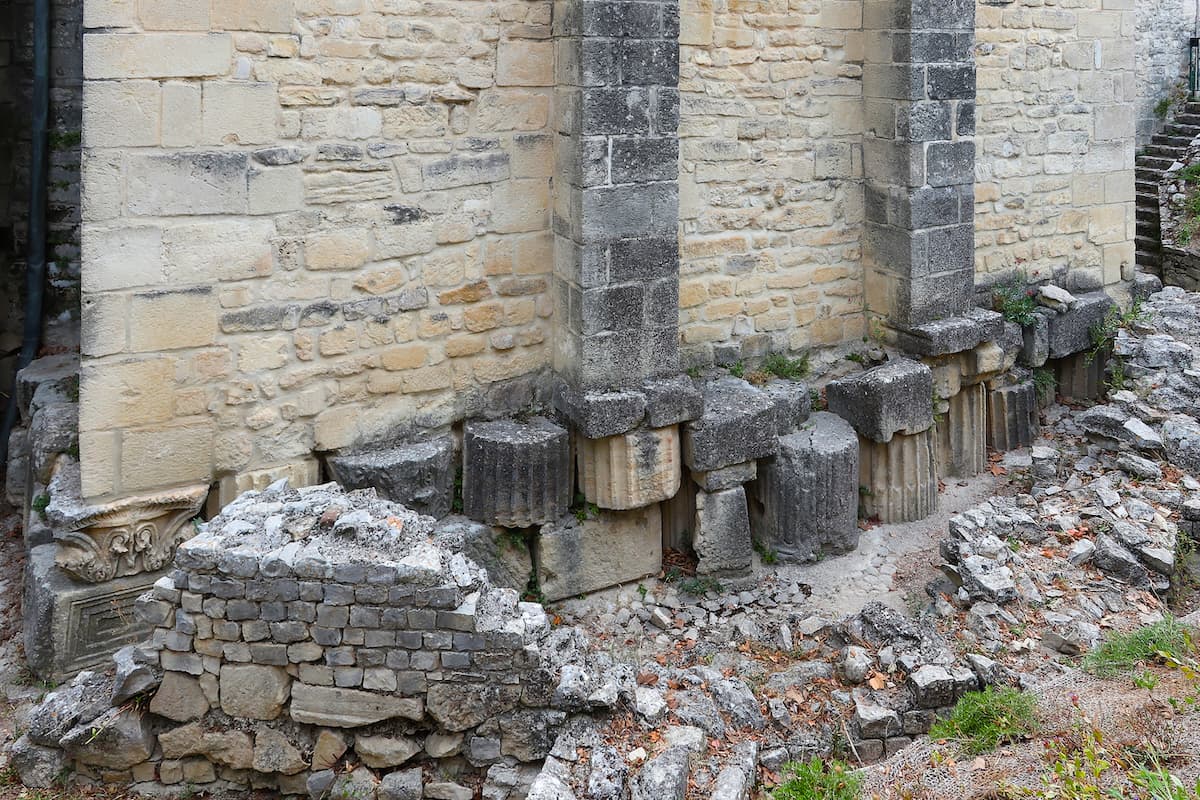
[70, 626]
[738, 425]
[579, 556]
[726, 477]
[721, 537]
[896, 397]
[793, 404]
[1071, 332]
[672, 400]
[806, 496]
[516, 474]
[419, 475]
[600, 414]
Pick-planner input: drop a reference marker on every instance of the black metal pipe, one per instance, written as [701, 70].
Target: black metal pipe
[35, 268]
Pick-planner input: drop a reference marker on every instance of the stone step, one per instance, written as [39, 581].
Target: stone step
[1155, 162]
[1167, 151]
[1173, 141]
[1146, 200]
[1177, 129]
[1149, 231]
[1147, 244]
[1146, 260]
[1187, 119]
[1147, 214]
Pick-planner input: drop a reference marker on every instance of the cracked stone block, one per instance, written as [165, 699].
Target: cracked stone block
[419, 476]
[505, 556]
[1071, 332]
[932, 686]
[805, 500]
[793, 404]
[70, 626]
[1081, 377]
[670, 401]
[952, 335]
[516, 474]
[1144, 285]
[578, 556]
[726, 477]
[1012, 416]
[962, 435]
[597, 415]
[630, 470]
[721, 536]
[738, 425]
[899, 479]
[896, 397]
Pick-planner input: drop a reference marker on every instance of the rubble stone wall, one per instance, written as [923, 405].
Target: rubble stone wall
[305, 223]
[1055, 130]
[1163, 30]
[770, 176]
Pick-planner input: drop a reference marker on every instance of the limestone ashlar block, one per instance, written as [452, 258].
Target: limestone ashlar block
[805, 500]
[301, 472]
[738, 425]
[726, 477]
[670, 401]
[579, 556]
[631, 470]
[899, 478]
[516, 474]
[71, 626]
[600, 414]
[953, 334]
[793, 404]
[896, 397]
[1081, 377]
[1012, 413]
[419, 475]
[1071, 332]
[962, 436]
[721, 535]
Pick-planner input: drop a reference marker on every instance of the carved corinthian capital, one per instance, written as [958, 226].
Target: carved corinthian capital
[99, 542]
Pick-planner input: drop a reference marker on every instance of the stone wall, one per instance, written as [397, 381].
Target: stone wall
[1055, 135]
[1163, 30]
[770, 176]
[306, 224]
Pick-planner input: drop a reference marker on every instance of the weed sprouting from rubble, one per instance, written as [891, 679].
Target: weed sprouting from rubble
[1122, 653]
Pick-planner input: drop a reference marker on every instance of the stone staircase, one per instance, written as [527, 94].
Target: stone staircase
[1151, 163]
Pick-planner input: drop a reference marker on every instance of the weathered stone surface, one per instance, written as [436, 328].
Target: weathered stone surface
[180, 698]
[349, 708]
[630, 470]
[1071, 332]
[516, 474]
[274, 753]
[38, 767]
[458, 707]
[664, 777]
[253, 691]
[875, 721]
[899, 478]
[793, 404]
[419, 475]
[721, 536]
[133, 675]
[327, 749]
[1035, 345]
[806, 496]
[953, 334]
[385, 751]
[117, 739]
[726, 477]
[69, 626]
[579, 556]
[932, 686]
[53, 431]
[1012, 416]
[359, 784]
[670, 401]
[528, 735]
[598, 415]
[881, 402]
[738, 425]
[1181, 441]
[77, 703]
[962, 435]
[986, 579]
[404, 784]
[505, 555]
[59, 372]
[1111, 557]
[1080, 377]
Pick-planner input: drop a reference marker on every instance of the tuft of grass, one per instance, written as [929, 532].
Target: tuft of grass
[768, 555]
[982, 721]
[701, 586]
[818, 780]
[792, 369]
[1044, 384]
[737, 369]
[1121, 653]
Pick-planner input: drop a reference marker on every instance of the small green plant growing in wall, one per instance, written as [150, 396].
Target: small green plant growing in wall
[1044, 384]
[1176, 96]
[1016, 301]
[791, 369]
[40, 504]
[1104, 334]
[737, 369]
[1190, 175]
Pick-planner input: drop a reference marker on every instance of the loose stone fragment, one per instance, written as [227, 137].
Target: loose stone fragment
[738, 425]
[881, 402]
[420, 476]
[117, 740]
[722, 532]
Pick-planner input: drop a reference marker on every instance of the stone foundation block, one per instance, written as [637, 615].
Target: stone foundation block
[953, 334]
[881, 402]
[600, 414]
[516, 474]
[793, 404]
[72, 626]
[962, 436]
[1071, 332]
[632, 470]
[1012, 414]
[670, 401]
[579, 556]
[504, 554]
[899, 478]
[805, 500]
[679, 517]
[59, 373]
[721, 534]
[726, 477]
[1080, 378]
[419, 476]
[738, 425]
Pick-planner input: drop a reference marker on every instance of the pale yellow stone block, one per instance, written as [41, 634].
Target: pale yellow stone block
[101, 174]
[121, 258]
[156, 458]
[301, 472]
[109, 13]
[125, 393]
[264, 16]
[98, 463]
[239, 113]
[102, 324]
[181, 115]
[172, 320]
[121, 113]
[337, 250]
[525, 62]
[173, 15]
[631, 470]
[202, 252]
[156, 55]
[265, 353]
